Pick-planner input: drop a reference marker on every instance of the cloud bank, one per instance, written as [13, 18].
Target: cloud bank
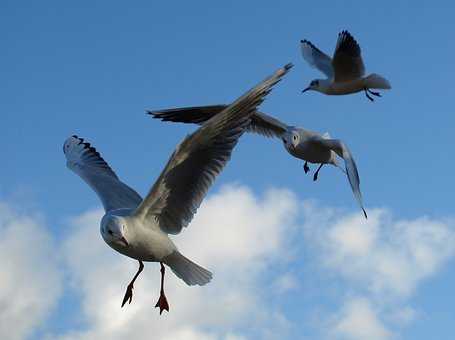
[30, 279]
[235, 234]
[381, 262]
[249, 242]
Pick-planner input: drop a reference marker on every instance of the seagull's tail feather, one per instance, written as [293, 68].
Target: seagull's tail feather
[375, 81]
[187, 270]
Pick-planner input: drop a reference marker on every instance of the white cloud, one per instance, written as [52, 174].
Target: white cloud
[358, 321]
[382, 259]
[286, 282]
[30, 282]
[247, 241]
[235, 234]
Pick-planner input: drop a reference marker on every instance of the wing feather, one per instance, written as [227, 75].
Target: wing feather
[316, 58]
[85, 161]
[347, 59]
[197, 161]
[351, 168]
[261, 123]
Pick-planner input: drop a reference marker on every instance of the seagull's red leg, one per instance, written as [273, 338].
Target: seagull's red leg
[315, 177]
[162, 301]
[129, 290]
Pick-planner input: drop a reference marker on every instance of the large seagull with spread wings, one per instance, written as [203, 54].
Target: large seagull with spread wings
[139, 228]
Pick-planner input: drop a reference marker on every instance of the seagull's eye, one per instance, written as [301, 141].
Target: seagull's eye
[109, 231]
[295, 137]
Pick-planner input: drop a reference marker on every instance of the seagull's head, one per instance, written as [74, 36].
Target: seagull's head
[113, 230]
[291, 138]
[319, 85]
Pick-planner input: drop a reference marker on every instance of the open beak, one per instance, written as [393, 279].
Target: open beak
[125, 242]
[308, 88]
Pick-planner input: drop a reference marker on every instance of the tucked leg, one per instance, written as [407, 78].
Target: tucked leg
[162, 301]
[366, 94]
[129, 290]
[377, 94]
[306, 168]
[315, 177]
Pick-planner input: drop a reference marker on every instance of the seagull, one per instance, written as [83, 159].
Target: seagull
[139, 228]
[345, 72]
[301, 143]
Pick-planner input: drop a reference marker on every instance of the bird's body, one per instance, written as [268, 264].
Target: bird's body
[301, 143]
[146, 241]
[139, 228]
[345, 72]
[308, 151]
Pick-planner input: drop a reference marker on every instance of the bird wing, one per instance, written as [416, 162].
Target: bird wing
[198, 159]
[85, 161]
[351, 168]
[347, 59]
[316, 58]
[261, 123]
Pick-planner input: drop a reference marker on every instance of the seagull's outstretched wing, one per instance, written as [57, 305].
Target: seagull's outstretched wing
[85, 161]
[261, 123]
[316, 58]
[351, 168]
[198, 159]
[347, 59]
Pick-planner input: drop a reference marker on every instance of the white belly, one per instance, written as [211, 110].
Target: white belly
[311, 153]
[347, 87]
[145, 243]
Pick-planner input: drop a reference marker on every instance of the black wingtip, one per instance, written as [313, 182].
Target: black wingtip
[288, 66]
[154, 114]
[365, 213]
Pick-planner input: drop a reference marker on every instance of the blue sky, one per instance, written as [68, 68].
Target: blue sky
[91, 68]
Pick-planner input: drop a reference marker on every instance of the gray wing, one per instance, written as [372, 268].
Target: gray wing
[351, 168]
[316, 58]
[347, 59]
[197, 161]
[85, 161]
[261, 123]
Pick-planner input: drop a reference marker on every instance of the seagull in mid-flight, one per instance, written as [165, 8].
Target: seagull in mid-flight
[301, 143]
[139, 228]
[345, 71]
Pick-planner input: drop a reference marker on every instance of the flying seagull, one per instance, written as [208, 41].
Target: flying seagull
[138, 227]
[301, 143]
[345, 71]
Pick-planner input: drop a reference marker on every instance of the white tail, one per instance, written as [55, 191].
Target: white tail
[375, 81]
[187, 270]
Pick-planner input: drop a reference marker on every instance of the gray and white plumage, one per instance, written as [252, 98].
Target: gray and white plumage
[316, 58]
[313, 147]
[261, 123]
[347, 63]
[85, 161]
[345, 72]
[139, 228]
